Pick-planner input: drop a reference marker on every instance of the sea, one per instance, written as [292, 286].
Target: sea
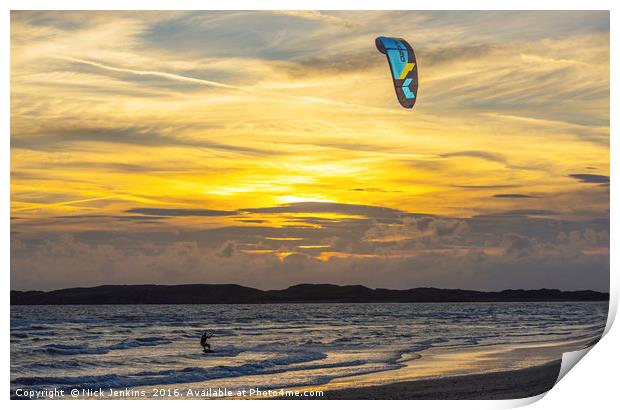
[270, 346]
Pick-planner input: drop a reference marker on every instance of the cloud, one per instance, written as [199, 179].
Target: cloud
[119, 217]
[392, 248]
[417, 231]
[489, 156]
[49, 139]
[64, 203]
[228, 249]
[518, 245]
[439, 55]
[252, 221]
[520, 196]
[290, 208]
[180, 212]
[316, 16]
[329, 207]
[592, 178]
[168, 76]
[523, 262]
[499, 186]
[519, 213]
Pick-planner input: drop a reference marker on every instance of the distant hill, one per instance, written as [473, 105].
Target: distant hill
[305, 293]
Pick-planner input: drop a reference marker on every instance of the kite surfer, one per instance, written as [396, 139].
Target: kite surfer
[206, 347]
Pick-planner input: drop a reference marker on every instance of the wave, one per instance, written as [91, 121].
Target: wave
[185, 375]
[140, 342]
[301, 360]
[60, 349]
[77, 349]
[22, 335]
[55, 365]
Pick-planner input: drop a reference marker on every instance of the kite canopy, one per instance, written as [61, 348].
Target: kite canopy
[403, 66]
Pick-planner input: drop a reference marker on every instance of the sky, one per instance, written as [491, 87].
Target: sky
[268, 149]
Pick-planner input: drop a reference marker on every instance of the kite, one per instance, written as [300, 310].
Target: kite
[403, 66]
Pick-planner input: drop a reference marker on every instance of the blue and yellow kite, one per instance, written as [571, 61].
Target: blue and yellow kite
[404, 68]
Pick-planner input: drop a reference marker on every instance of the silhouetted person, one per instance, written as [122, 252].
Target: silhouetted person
[206, 347]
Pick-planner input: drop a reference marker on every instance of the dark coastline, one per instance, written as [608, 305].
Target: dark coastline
[305, 293]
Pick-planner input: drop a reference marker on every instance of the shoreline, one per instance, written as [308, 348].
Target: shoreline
[490, 372]
[504, 385]
[482, 373]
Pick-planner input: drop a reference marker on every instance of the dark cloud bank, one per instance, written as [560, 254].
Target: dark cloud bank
[368, 245]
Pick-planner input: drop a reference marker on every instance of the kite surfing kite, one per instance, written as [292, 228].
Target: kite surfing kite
[403, 66]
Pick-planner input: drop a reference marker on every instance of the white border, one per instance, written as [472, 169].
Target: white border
[592, 385]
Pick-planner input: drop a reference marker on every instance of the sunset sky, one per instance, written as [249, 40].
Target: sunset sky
[268, 149]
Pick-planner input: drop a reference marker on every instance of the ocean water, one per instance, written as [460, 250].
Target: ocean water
[265, 346]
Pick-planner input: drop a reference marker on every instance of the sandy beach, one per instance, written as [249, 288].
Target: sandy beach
[444, 374]
[514, 384]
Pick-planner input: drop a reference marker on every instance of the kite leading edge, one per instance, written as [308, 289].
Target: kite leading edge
[403, 67]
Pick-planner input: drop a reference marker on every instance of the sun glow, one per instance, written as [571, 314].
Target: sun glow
[287, 199]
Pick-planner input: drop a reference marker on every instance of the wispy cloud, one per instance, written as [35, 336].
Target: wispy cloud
[489, 156]
[180, 212]
[315, 15]
[169, 76]
[63, 204]
[515, 196]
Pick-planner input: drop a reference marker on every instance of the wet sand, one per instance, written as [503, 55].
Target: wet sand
[515, 384]
[483, 373]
